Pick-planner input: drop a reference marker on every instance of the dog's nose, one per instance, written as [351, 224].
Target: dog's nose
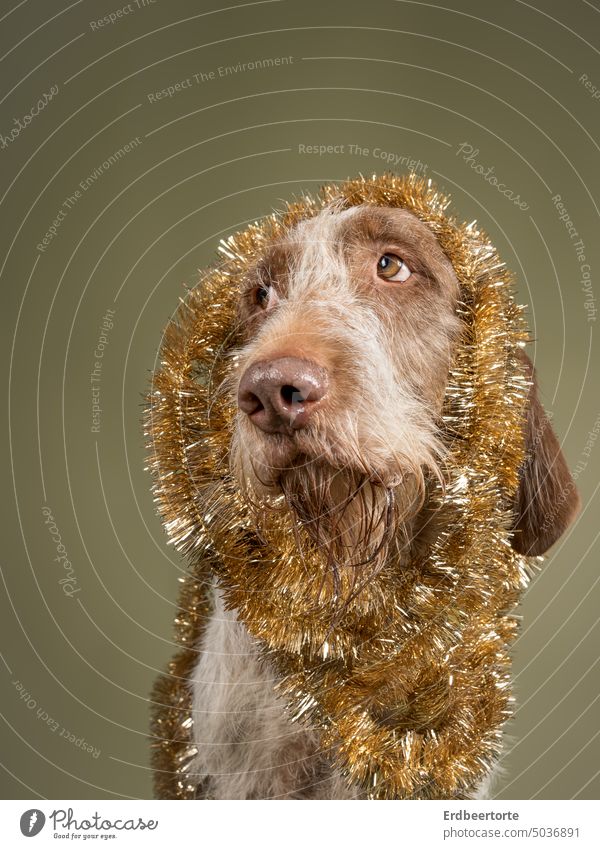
[281, 395]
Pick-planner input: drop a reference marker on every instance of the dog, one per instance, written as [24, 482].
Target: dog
[349, 324]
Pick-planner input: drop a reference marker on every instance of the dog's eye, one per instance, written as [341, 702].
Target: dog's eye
[264, 295]
[392, 267]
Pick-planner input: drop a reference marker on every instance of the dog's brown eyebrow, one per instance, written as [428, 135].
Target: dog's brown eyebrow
[372, 224]
[272, 266]
[373, 228]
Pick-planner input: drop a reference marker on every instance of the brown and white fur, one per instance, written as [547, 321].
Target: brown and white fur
[340, 385]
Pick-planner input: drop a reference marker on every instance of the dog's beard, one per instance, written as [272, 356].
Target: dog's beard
[355, 519]
[350, 516]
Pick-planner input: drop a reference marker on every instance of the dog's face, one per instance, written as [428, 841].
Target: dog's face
[350, 324]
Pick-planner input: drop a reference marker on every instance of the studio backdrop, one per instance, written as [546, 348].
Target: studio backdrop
[133, 138]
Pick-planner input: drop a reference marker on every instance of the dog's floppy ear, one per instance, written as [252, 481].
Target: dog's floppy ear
[547, 501]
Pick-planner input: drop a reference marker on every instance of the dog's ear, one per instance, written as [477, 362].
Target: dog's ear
[547, 500]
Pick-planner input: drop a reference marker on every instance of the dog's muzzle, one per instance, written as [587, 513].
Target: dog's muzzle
[281, 395]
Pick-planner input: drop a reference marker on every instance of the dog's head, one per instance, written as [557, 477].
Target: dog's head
[350, 323]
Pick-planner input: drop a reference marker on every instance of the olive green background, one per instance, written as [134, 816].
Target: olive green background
[406, 79]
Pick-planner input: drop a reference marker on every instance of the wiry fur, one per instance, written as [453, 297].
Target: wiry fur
[247, 747]
[356, 478]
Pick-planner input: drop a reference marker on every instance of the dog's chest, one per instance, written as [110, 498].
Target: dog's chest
[247, 747]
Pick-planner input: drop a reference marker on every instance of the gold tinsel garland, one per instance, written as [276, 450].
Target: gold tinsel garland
[411, 686]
